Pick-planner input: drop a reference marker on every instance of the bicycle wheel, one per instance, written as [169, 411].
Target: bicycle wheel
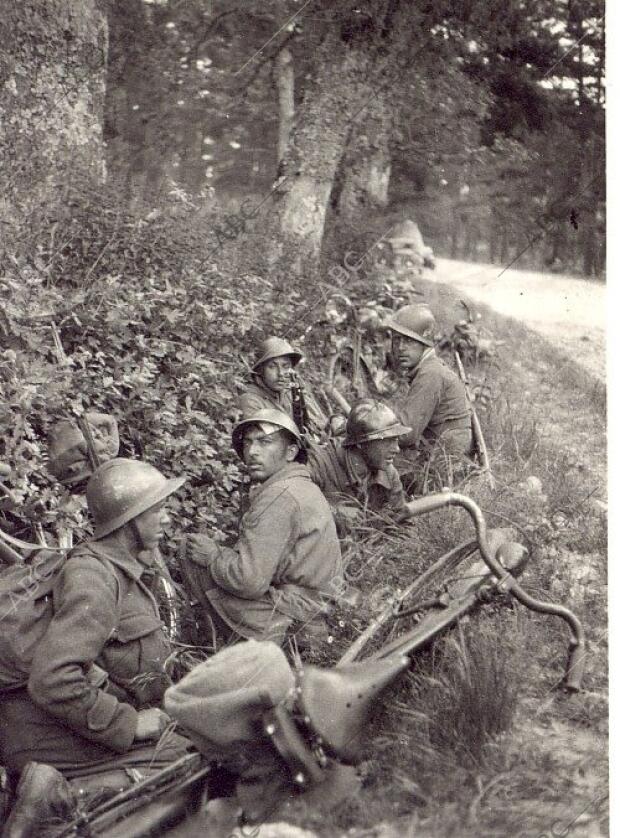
[452, 586]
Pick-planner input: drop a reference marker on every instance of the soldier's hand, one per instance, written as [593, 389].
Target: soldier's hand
[151, 724]
[201, 548]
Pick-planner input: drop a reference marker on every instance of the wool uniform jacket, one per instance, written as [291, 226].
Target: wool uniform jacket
[342, 476]
[102, 656]
[286, 561]
[434, 406]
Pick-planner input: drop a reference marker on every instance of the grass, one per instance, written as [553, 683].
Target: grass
[481, 703]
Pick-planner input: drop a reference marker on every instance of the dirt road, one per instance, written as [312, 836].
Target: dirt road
[568, 312]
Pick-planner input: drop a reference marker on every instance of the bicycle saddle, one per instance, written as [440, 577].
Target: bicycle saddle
[337, 703]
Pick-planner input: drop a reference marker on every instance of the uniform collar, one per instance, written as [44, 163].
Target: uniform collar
[285, 473]
[274, 396]
[428, 353]
[119, 555]
[358, 472]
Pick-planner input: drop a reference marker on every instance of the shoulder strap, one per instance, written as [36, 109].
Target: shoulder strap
[115, 570]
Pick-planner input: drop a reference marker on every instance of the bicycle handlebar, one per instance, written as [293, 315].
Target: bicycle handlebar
[575, 664]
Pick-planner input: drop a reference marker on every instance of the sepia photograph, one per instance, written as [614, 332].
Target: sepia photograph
[303, 419]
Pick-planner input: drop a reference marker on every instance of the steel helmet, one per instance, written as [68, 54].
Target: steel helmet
[370, 419]
[275, 348]
[68, 452]
[275, 420]
[414, 321]
[122, 489]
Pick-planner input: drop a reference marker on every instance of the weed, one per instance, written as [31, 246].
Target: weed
[471, 695]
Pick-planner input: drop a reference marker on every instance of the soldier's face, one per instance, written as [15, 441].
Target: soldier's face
[276, 373]
[407, 352]
[379, 453]
[149, 526]
[265, 454]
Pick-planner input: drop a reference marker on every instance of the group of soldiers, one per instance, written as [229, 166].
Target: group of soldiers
[87, 703]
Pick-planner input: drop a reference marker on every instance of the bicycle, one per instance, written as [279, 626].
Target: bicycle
[471, 575]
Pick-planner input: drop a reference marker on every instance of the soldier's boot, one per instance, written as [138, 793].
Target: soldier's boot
[43, 799]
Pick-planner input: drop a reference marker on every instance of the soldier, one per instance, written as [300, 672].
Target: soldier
[361, 469]
[435, 405]
[96, 673]
[287, 560]
[274, 385]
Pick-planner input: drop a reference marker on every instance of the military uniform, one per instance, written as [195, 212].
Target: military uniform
[436, 408]
[258, 397]
[342, 475]
[285, 564]
[100, 660]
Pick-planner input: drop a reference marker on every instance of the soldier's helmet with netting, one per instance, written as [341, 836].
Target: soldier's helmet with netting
[275, 348]
[414, 321]
[371, 419]
[122, 489]
[269, 420]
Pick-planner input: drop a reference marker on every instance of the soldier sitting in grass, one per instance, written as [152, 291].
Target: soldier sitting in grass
[83, 679]
[359, 475]
[273, 386]
[434, 406]
[286, 562]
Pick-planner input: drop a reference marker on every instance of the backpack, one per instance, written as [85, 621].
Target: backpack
[26, 610]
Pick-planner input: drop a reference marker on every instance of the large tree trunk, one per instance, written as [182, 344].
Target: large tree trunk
[134, 131]
[317, 143]
[51, 99]
[367, 165]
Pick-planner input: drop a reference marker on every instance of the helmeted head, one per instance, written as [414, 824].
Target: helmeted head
[414, 321]
[373, 428]
[275, 358]
[68, 451]
[122, 490]
[412, 330]
[266, 441]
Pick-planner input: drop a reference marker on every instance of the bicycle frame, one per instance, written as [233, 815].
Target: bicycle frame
[506, 582]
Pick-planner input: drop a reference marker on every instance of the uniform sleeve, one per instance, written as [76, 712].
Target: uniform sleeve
[85, 616]
[250, 402]
[316, 418]
[417, 409]
[267, 535]
[315, 465]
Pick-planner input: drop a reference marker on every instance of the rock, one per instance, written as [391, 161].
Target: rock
[533, 485]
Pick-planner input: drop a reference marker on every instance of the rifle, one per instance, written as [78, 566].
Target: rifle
[95, 459]
[300, 407]
[475, 424]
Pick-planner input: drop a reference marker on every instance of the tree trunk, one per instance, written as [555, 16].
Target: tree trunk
[285, 86]
[367, 165]
[51, 99]
[134, 128]
[338, 92]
